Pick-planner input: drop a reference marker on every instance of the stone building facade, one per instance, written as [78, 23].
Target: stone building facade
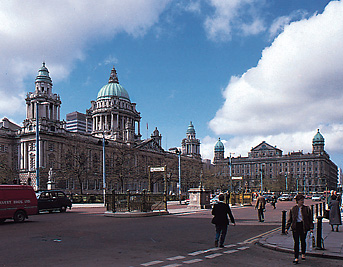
[75, 158]
[295, 171]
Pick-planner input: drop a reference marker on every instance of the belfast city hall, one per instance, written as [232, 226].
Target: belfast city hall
[69, 152]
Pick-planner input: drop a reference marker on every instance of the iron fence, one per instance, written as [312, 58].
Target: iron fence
[130, 201]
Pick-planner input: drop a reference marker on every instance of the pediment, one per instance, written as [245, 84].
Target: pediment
[264, 146]
[150, 145]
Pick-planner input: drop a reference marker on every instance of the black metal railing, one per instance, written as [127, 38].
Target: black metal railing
[130, 202]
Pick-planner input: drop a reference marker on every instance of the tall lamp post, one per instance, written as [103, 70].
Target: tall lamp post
[37, 145]
[103, 168]
[178, 152]
[262, 177]
[230, 170]
[286, 182]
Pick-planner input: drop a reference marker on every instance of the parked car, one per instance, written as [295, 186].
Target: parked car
[285, 197]
[17, 202]
[268, 197]
[317, 197]
[53, 200]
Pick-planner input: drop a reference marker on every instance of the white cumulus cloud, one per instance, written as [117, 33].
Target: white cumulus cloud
[59, 32]
[295, 88]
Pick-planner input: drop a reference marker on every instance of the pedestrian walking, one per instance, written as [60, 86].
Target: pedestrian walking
[220, 220]
[335, 213]
[261, 207]
[300, 221]
[273, 202]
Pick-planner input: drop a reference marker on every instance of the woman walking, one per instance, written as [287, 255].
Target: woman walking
[301, 221]
[335, 213]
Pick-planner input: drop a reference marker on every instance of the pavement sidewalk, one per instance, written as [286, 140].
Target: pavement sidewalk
[333, 242]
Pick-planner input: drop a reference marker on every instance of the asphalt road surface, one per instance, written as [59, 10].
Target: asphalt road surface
[84, 237]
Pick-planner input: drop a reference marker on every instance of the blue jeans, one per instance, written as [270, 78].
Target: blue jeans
[221, 231]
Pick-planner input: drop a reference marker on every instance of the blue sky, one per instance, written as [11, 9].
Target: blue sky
[246, 71]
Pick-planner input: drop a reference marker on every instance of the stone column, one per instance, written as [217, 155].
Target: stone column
[25, 155]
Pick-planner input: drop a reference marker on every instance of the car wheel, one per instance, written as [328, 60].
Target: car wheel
[63, 209]
[19, 216]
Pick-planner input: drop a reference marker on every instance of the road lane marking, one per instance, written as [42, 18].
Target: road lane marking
[173, 265]
[151, 263]
[192, 261]
[196, 253]
[252, 239]
[213, 255]
[231, 251]
[211, 249]
[242, 248]
[176, 258]
[230, 246]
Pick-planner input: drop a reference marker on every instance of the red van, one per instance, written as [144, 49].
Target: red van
[17, 202]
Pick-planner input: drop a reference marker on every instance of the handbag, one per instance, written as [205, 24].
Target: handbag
[326, 214]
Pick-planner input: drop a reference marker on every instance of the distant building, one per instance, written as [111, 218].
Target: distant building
[296, 171]
[76, 122]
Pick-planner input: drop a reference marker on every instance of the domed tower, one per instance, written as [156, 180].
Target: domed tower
[113, 113]
[190, 145]
[218, 151]
[47, 103]
[318, 143]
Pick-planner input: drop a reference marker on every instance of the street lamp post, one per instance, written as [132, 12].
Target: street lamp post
[297, 184]
[261, 177]
[230, 170]
[103, 168]
[37, 145]
[178, 152]
[286, 183]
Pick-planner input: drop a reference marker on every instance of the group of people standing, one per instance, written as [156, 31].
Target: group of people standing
[300, 220]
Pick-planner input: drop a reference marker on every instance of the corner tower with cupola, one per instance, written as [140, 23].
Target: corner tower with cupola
[218, 151]
[318, 144]
[46, 103]
[190, 144]
[113, 114]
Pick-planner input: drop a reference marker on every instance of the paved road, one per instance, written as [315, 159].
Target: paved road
[84, 237]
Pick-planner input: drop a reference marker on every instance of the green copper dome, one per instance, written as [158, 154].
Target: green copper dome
[219, 147]
[318, 138]
[190, 129]
[113, 88]
[43, 75]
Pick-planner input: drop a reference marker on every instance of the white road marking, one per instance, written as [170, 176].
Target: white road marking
[173, 265]
[213, 255]
[230, 251]
[242, 248]
[176, 258]
[195, 253]
[230, 246]
[192, 261]
[151, 263]
[211, 249]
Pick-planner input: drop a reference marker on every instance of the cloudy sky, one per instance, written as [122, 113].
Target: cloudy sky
[246, 71]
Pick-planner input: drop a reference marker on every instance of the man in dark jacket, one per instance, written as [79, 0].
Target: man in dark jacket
[260, 206]
[300, 220]
[221, 221]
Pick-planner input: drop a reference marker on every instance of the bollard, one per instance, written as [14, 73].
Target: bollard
[113, 201]
[319, 233]
[284, 222]
[128, 200]
[312, 212]
[317, 210]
